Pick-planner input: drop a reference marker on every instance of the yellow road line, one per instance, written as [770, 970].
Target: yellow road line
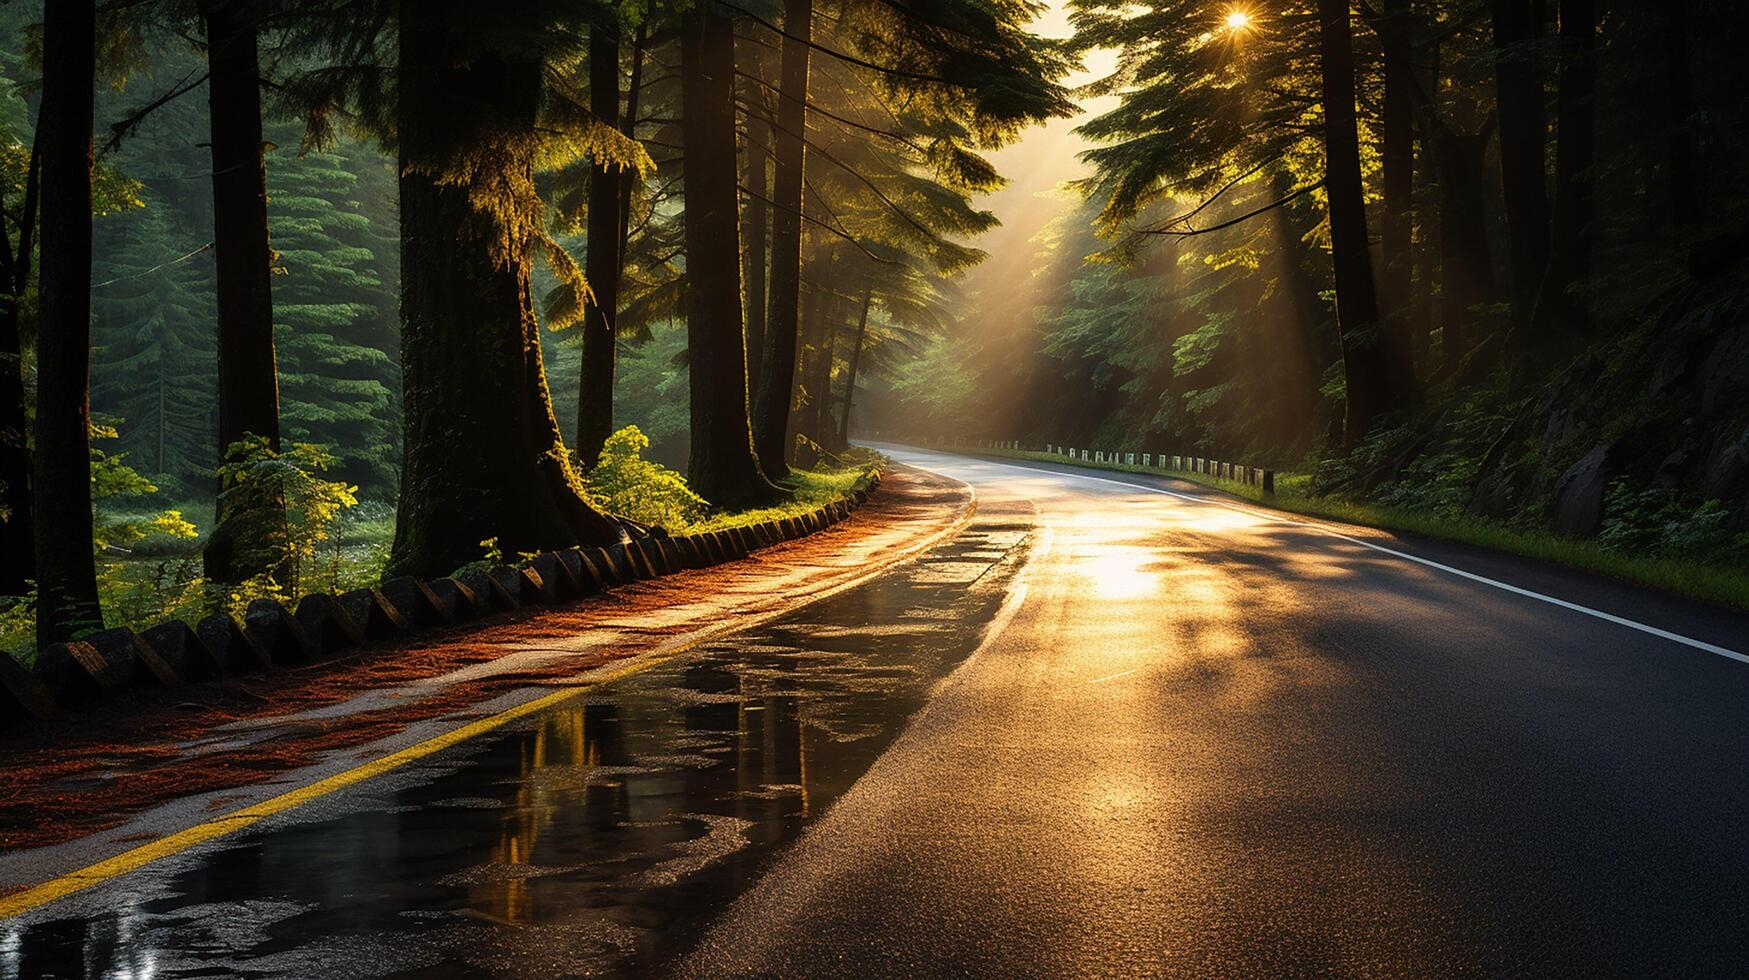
[36, 896]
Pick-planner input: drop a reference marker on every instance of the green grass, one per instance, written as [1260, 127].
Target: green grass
[1720, 585]
[811, 490]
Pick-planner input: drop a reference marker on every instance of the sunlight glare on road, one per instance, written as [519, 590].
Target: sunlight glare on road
[1117, 572]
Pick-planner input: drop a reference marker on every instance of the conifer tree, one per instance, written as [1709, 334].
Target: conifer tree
[248, 396]
[154, 369]
[601, 313]
[483, 458]
[67, 601]
[778, 366]
[334, 314]
[723, 468]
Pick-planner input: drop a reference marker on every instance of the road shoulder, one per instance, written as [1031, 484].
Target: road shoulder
[154, 765]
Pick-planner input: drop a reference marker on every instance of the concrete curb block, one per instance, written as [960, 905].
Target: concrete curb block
[79, 674]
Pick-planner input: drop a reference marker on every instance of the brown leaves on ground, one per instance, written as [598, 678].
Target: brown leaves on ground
[95, 770]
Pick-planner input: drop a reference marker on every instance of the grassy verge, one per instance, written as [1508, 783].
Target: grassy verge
[811, 490]
[1717, 584]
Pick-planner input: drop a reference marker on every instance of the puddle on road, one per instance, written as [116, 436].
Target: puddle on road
[598, 837]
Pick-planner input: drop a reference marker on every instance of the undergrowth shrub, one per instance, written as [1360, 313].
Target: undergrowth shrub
[627, 484]
[294, 516]
[1661, 522]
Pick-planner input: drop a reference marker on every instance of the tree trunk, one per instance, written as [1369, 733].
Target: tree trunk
[1523, 132]
[628, 125]
[482, 456]
[1399, 166]
[1308, 342]
[67, 601]
[756, 220]
[778, 372]
[843, 440]
[820, 427]
[723, 468]
[600, 338]
[1427, 270]
[816, 306]
[812, 415]
[1683, 154]
[17, 528]
[1562, 307]
[1378, 379]
[244, 542]
[1467, 268]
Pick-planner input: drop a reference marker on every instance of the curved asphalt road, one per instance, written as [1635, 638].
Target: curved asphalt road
[1117, 726]
[1217, 741]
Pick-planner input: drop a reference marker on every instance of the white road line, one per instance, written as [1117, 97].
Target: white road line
[1113, 677]
[1427, 562]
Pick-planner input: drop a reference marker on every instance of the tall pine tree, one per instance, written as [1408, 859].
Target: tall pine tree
[153, 369]
[334, 311]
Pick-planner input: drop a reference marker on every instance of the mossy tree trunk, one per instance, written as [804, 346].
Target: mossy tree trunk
[628, 125]
[67, 602]
[483, 458]
[723, 468]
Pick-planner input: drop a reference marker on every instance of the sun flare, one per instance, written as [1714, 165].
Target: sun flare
[1238, 19]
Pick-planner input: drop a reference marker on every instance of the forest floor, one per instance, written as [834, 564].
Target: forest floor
[91, 779]
[1717, 584]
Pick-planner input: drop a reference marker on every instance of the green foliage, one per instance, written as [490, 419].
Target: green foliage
[332, 217]
[288, 508]
[18, 628]
[114, 484]
[653, 392]
[154, 362]
[937, 390]
[626, 484]
[331, 213]
[1660, 521]
[808, 490]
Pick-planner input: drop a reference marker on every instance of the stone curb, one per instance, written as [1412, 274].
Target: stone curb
[75, 676]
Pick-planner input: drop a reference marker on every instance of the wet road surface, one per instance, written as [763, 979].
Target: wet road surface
[595, 838]
[1214, 742]
[1104, 731]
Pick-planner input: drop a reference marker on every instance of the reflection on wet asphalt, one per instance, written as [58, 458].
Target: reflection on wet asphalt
[597, 837]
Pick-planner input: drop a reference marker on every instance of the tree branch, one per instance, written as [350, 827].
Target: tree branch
[816, 221]
[1247, 216]
[841, 56]
[119, 130]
